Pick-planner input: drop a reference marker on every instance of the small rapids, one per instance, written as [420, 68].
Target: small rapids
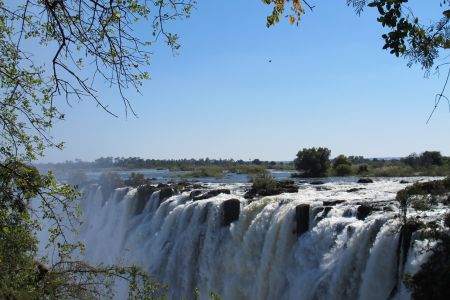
[262, 252]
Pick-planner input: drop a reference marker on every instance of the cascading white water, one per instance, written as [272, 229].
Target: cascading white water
[184, 243]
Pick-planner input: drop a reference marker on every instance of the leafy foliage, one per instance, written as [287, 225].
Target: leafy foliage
[314, 162]
[406, 36]
[342, 165]
[94, 37]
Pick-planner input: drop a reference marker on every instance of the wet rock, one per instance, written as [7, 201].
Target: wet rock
[250, 194]
[231, 210]
[352, 190]
[447, 219]
[365, 180]
[212, 193]
[317, 182]
[142, 196]
[165, 193]
[326, 211]
[323, 188]
[195, 193]
[302, 218]
[321, 212]
[363, 211]
[388, 209]
[283, 186]
[332, 202]
[404, 181]
[446, 201]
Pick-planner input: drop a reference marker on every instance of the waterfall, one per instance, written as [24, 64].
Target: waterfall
[261, 255]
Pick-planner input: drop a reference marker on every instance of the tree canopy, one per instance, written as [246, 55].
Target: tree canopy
[86, 42]
[406, 35]
[314, 162]
[421, 42]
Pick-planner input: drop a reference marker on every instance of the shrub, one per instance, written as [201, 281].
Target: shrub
[342, 166]
[248, 169]
[393, 171]
[343, 170]
[204, 172]
[363, 168]
[421, 203]
[263, 181]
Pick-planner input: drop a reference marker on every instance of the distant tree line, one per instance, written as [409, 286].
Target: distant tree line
[310, 162]
[172, 164]
[316, 162]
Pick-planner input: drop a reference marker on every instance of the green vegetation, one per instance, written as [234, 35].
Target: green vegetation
[432, 281]
[428, 163]
[74, 35]
[422, 195]
[263, 184]
[342, 166]
[420, 43]
[313, 162]
[204, 172]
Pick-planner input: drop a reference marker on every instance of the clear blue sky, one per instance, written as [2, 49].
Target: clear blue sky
[329, 84]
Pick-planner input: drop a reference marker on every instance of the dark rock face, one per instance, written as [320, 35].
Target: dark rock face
[352, 190]
[321, 212]
[447, 201]
[302, 218]
[317, 182]
[211, 194]
[363, 211]
[142, 196]
[231, 210]
[365, 180]
[283, 186]
[195, 193]
[322, 188]
[332, 202]
[165, 193]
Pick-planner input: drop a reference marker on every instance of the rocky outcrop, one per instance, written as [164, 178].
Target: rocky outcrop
[352, 190]
[231, 210]
[211, 194]
[283, 186]
[365, 180]
[363, 211]
[332, 202]
[317, 182]
[195, 193]
[302, 218]
[143, 194]
[165, 192]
